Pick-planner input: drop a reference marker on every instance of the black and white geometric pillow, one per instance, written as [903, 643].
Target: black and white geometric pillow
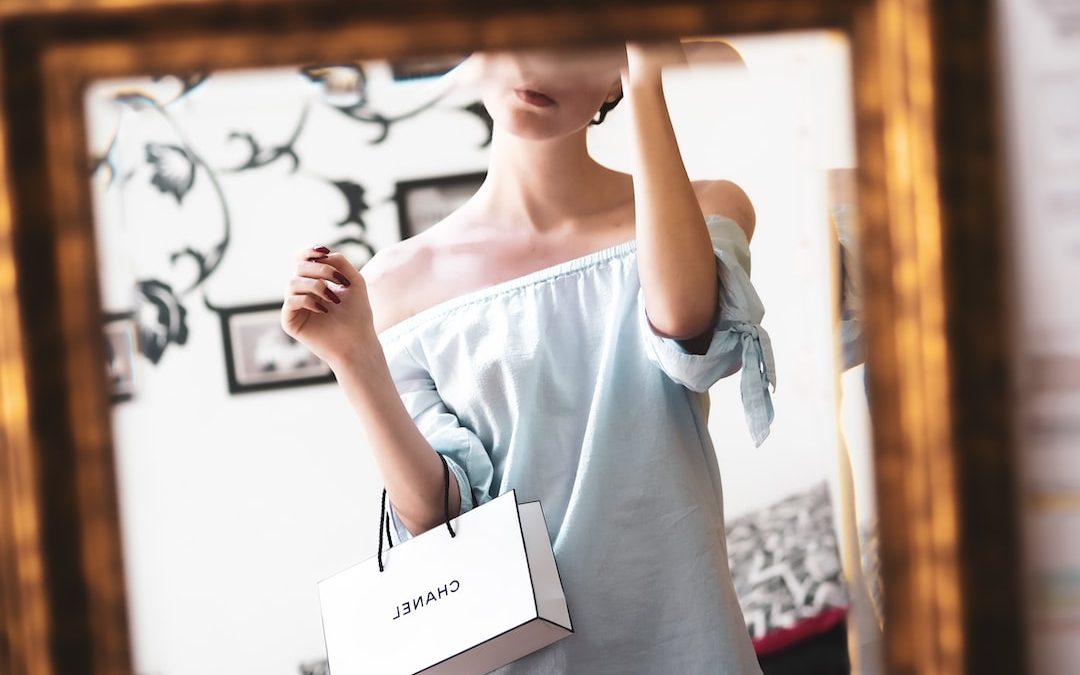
[785, 562]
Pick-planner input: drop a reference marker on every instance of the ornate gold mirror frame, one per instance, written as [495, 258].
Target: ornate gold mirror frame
[932, 235]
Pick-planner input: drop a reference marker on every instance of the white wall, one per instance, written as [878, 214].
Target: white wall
[233, 506]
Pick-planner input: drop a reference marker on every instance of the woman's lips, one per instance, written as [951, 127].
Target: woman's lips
[534, 97]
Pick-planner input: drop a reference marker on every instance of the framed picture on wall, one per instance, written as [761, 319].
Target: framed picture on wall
[320, 667]
[427, 66]
[422, 202]
[259, 355]
[120, 351]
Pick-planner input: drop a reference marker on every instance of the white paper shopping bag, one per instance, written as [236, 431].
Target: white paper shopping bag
[464, 604]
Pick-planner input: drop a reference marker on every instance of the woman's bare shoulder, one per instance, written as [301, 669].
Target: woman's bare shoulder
[727, 198]
[417, 273]
[395, 278]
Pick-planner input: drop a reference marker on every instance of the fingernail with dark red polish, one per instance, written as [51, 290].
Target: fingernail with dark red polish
[317, 258]
[320, 249]
[333, 296]
[340, 278]
[321, 307]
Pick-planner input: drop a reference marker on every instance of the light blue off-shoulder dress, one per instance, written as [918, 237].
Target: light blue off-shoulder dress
[554, 384]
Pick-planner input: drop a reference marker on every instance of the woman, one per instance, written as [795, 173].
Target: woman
[557, 334]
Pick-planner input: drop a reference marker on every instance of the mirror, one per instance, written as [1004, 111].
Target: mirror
[243, 471]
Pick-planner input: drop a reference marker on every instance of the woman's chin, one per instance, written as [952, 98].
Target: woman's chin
[530, 127]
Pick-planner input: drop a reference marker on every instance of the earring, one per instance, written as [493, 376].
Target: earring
[607, 105]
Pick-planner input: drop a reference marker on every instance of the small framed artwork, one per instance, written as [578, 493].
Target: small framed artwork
[259, 355]
[320, 667]
[423, 202]
[424, 66]
[120, 351]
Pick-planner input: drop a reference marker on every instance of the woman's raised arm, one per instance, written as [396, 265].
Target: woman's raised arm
[676, 262]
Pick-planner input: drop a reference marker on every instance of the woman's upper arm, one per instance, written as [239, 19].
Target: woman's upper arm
[737, 339]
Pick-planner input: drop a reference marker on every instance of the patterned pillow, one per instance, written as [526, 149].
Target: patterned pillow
[786, 565]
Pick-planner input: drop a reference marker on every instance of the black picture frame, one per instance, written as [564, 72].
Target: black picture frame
[121, 352]
[422, 202]
[245, 330]
[319, 667]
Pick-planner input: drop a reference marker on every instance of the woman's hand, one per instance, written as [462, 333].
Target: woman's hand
[646, 60]
[326, 306]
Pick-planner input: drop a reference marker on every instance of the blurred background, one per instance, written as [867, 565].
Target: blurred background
[1039, 64]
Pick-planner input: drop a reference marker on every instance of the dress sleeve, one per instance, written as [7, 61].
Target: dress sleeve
[468, 460]
[738, 339]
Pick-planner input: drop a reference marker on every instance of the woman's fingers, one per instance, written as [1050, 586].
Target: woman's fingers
[305, 301]
[347, 273]
[321, 270]
[312, 253]
[316, 287]
[344, 267]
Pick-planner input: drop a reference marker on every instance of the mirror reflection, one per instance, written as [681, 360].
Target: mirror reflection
[619, 281]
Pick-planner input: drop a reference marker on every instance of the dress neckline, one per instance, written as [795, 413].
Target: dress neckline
[529, 279]
[487, 292]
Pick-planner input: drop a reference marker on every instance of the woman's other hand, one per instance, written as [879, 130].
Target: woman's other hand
[645, 60]
[326, 306]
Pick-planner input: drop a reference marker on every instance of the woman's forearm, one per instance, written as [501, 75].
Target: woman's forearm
[411, 470]
[676, 262]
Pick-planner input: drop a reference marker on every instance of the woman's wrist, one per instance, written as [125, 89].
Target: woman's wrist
[364, 357]
[643, 84]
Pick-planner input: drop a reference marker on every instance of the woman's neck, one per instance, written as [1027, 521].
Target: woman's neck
[548, 184]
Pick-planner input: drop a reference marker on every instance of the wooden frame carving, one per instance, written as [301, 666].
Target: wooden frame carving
[932, 235]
